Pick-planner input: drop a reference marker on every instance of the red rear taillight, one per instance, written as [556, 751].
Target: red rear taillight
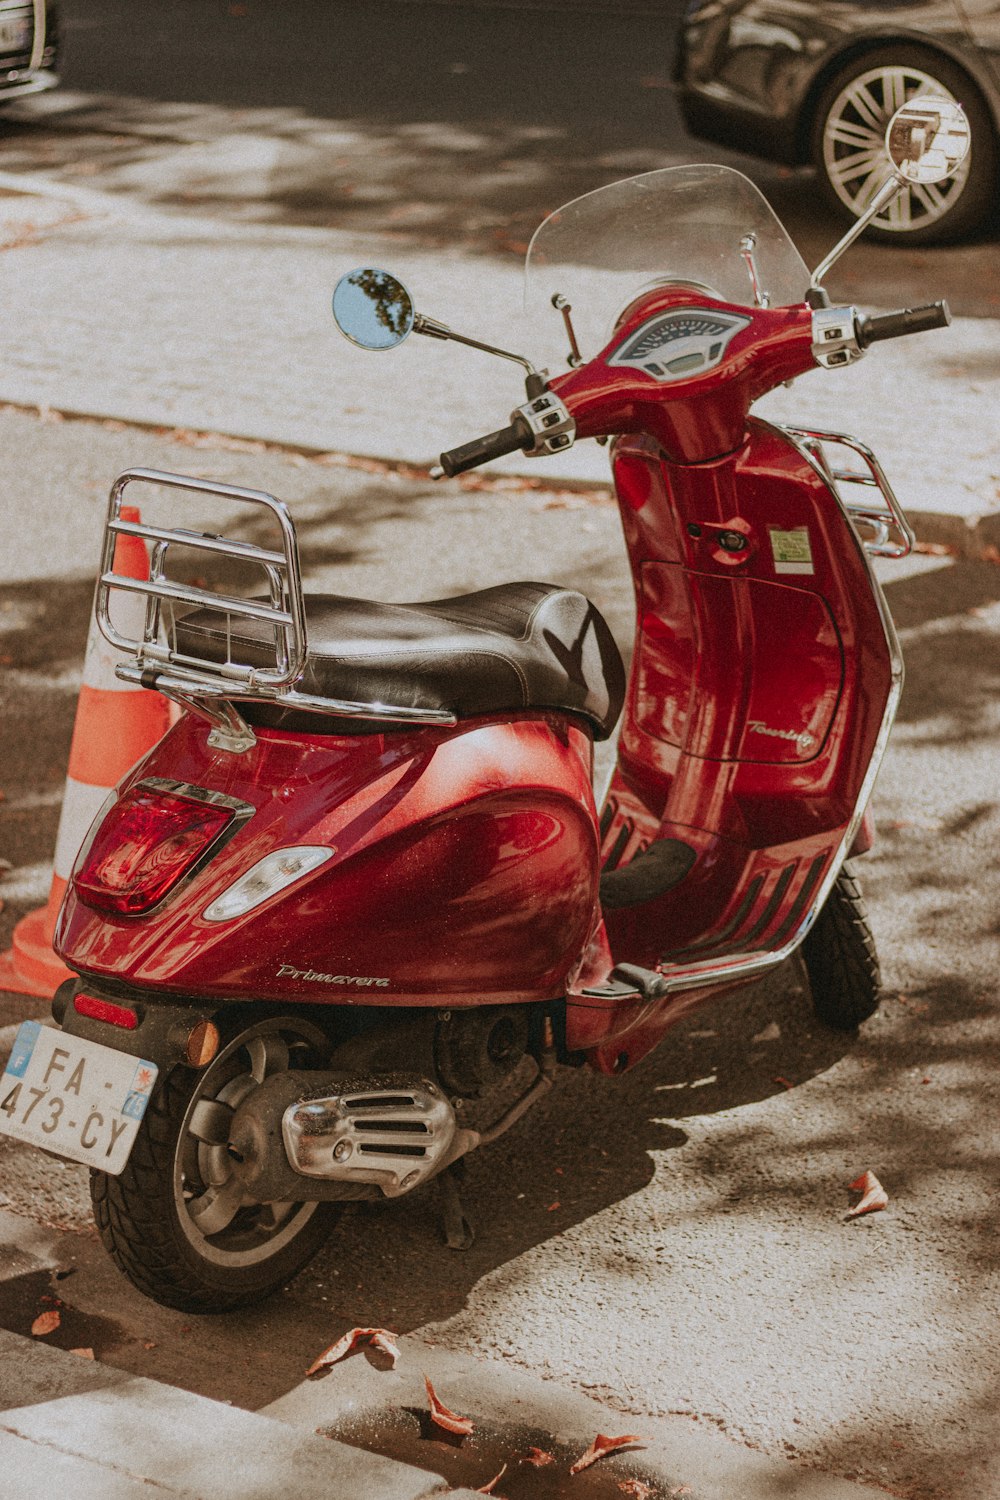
[147, 842]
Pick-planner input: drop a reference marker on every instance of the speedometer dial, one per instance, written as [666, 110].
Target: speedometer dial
[677, 344]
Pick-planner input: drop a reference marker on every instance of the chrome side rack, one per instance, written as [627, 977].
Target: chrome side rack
[211, 688]
[889, 533]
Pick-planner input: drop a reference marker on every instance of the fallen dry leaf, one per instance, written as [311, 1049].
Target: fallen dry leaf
[538, 1458]
[785, 1084]
[487, 1489]
[442, 1417]
[637, 1488]
[83, 1353]
[873, 1195]
[600, 1446]
[21, 235]
[990, 553]
[565, 502]
[46, 1322]
[936, 549]
[380, 1338]
[920, 1006]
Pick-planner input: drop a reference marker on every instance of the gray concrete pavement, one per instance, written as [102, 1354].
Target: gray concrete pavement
[670, 1242]
[126, 312]
[702, 1270]
[68, 1422]
[71, 1425]
[358, 1430]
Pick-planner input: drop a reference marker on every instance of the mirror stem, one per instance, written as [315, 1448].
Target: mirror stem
[436, 330]
[574, 359]
[892, 186]
[748, 246]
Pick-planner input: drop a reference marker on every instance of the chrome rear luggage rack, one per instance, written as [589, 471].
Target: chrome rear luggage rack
[207, 687]
[875, 507]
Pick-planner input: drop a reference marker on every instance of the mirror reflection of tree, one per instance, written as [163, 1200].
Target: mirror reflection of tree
[389, 298]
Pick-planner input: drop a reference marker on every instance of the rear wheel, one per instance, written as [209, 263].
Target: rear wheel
[848, 146]
[840, 958]
[177, 1221]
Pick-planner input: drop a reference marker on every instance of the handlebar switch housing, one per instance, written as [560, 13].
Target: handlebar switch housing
[834, 337]
[550, 424]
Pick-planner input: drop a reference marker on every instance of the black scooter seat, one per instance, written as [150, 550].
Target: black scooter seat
[515, 646]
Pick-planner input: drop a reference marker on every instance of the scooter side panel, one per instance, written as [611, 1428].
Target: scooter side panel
[464, 870]
[693, 629]
[759, 686]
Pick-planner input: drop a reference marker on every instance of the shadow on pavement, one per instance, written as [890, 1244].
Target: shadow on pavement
[488, 118]
[915, 1089]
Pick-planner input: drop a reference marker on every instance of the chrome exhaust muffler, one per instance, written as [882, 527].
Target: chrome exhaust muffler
[305, 1135]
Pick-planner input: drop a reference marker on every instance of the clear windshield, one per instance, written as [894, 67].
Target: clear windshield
[680, 224]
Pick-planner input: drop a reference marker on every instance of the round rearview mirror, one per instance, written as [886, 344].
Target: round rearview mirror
[927, 139]
[372, 308]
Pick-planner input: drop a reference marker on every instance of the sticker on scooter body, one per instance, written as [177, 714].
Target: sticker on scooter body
[791, 550]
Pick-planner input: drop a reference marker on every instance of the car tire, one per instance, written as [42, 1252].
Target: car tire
[847, 147]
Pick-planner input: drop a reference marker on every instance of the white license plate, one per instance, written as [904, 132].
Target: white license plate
[15, 35]
[76, 1098]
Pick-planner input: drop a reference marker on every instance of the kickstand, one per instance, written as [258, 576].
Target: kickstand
[458, 1232]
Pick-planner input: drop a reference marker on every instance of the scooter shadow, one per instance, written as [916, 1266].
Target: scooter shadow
[590, 1145]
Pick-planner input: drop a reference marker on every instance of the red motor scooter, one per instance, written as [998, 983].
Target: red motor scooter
[364, 875]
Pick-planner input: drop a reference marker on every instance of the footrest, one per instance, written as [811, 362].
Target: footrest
[626, 981]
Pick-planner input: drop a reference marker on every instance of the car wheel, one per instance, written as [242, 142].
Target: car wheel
[848, 147]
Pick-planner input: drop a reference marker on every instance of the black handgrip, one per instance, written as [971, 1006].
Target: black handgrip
[481, 450]
[908, 320]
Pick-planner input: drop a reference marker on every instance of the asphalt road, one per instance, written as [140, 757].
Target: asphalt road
[434, 122]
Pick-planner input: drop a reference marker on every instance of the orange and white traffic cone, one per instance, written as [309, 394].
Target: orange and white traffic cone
[116, 723]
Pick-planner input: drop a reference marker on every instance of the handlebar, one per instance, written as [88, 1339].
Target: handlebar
[839, 335]
[908, 320]
[481, 450]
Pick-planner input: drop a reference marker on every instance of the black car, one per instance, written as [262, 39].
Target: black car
[799, 82]
[29, 47]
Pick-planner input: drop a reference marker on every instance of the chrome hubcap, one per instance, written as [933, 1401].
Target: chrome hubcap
[219, 1220]
[854, 149]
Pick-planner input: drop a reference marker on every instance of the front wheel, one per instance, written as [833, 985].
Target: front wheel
[177, 1221]
[848, 146]
[840, 958]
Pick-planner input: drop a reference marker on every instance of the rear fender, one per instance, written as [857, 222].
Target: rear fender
[464, 868]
